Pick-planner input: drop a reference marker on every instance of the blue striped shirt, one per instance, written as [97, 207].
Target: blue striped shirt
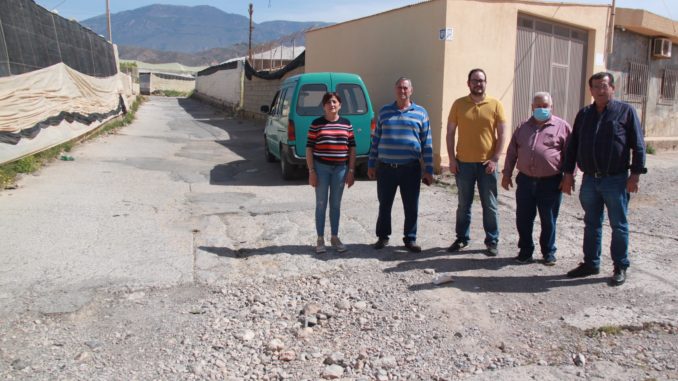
[402, 136]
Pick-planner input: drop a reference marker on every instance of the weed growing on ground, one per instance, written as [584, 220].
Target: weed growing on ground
[606, 330]
[173, 93]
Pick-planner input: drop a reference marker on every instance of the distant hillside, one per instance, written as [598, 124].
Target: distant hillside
[190, 29]
[205, 58]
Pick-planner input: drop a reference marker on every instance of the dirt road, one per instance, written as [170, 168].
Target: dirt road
[172, 250]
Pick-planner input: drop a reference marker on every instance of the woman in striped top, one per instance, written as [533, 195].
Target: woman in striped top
[330, 157]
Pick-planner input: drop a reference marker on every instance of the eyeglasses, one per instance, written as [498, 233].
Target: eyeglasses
[602, 86]
[477, 81]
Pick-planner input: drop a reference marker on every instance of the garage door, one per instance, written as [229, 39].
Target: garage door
[549, 57]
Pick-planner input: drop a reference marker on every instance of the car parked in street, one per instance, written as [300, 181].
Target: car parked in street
[298, 102]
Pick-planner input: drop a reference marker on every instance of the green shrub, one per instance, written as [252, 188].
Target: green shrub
[172, 93]
[606, 330]
[650, 149]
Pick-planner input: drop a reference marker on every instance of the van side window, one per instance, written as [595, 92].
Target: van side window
[353, 101]
[286, 101]
[310, 99]
[274, 103]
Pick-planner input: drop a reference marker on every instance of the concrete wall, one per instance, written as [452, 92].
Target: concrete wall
[159, 82]
[404, 41]
[659, 116]
[223, 86]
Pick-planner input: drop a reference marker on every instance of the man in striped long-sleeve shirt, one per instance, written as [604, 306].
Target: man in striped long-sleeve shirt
[400, 146]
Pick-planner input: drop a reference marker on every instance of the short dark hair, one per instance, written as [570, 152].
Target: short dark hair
[601, 75]
[402, 79]
[470, 73]
[328, 95]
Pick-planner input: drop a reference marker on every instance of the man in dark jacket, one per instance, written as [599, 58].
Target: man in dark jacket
[607, 142]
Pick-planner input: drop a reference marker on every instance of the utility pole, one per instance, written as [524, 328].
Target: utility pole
[251, 28]
[108, 21]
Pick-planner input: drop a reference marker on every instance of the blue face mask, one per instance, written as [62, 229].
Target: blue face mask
[541, 114]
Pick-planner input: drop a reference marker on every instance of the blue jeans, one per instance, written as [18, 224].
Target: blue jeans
[594, 195]
[330, 180]
[389, 179]
[466, 178]
[532, 195]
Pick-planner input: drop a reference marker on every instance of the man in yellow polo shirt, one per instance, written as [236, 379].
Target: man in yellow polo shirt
[481, 124]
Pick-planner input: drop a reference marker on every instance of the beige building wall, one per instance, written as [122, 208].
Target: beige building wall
[485, 37]
[384, 47]
[405, 41]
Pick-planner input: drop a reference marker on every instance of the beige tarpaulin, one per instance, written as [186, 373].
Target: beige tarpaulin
[31, 98]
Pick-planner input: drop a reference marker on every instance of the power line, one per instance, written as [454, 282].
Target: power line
[58, 5]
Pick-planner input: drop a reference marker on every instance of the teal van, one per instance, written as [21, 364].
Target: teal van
[298, 102]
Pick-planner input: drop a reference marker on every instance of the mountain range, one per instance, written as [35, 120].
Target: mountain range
[200, 34]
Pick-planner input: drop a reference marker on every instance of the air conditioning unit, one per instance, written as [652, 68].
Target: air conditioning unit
[661, 48]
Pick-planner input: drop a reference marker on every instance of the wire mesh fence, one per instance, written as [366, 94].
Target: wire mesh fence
[32, 38]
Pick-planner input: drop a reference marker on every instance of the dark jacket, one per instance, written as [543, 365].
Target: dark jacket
[601, 144]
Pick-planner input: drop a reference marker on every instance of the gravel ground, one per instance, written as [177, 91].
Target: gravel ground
[276, 311]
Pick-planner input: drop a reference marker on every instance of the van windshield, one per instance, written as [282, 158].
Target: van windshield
[310, 99]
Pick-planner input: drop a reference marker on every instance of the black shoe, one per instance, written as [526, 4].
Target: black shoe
[381, 243]
[583, 270]
[550, 260]
[412, 247]
[492, 250]
[619, 276]
[524, 259]
[457, 245]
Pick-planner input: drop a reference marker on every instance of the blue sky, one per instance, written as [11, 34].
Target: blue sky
[302, 10]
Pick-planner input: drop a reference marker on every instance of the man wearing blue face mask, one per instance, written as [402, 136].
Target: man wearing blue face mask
[537, 148]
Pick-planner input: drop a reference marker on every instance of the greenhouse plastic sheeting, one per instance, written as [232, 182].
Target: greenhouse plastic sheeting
[33, 38]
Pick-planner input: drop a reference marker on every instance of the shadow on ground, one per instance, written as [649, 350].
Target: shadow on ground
[437, 259]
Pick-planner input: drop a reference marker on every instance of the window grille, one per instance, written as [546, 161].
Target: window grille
[637, 80]
[668, 87]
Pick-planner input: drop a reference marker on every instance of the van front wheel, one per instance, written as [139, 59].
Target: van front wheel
[267, 153]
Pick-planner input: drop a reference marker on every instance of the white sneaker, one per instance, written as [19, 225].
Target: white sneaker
[320, 245]
[337, 245]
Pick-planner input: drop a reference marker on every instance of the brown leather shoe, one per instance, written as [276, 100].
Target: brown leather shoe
[412, 247]
[381, 243]
[583, 270]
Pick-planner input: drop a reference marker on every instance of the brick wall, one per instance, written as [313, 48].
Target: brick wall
[259, 92]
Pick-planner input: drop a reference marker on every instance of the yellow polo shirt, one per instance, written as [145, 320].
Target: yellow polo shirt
[477, 127]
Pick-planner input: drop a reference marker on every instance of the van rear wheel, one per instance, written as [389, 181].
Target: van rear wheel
[361, 171]
[287, 169]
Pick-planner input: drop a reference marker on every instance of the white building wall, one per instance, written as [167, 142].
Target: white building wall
[223, 86]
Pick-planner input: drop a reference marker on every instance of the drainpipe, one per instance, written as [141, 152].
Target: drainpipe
[643, 118]
[610, 35]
